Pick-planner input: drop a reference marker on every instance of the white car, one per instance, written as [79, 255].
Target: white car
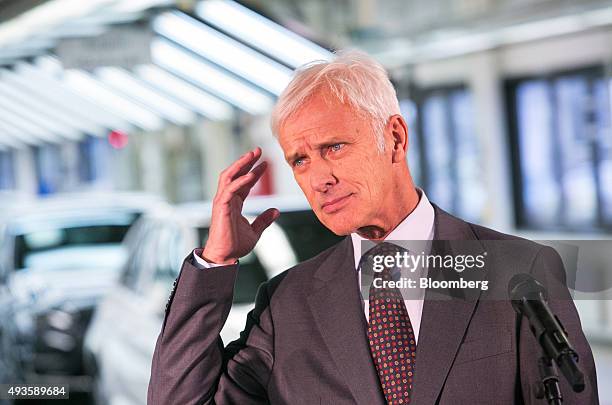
[58, 256]
[120, 341]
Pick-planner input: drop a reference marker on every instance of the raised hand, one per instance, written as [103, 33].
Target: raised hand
[231, 236]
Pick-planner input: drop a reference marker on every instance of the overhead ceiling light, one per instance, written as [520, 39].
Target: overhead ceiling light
[28, 129]
[44, 17]
[128, 6]
[24, 90]
[35, 113]
[76, 30]
[50, 64]
[103, 17]
[6, 141]
[11, 124]
[401, 53]
[44, 84]
[209, 77]
[224, 51]
[29, 48]
[89, 87]
[261, 32]
[124, 82]
[11, 137]
[200, 101]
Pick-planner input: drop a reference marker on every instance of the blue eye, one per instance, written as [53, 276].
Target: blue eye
[298, 162]
[336, 147]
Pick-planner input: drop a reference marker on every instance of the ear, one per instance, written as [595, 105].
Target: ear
[398, 129]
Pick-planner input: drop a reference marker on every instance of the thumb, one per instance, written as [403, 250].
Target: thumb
[264, 220]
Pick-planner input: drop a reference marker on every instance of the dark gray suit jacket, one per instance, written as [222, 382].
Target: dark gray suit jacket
[305, 340]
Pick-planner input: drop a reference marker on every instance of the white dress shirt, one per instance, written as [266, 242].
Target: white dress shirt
[203, 264]
[418, 226]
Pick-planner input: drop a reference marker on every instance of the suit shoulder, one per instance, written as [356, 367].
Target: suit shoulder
[482, 232]
[526, 246]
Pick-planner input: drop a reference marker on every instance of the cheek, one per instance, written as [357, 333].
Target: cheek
[304, 183]
[354, 169]
[369, 174]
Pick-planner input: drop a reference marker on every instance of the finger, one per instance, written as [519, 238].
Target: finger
[255, 175]
[240, 166]
[248, 180]
[264, 220]
[243, 184]
[244, 170]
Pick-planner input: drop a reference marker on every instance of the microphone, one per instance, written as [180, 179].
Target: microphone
[529, 298]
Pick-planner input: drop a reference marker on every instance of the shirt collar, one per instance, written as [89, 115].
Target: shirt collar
[418, 225]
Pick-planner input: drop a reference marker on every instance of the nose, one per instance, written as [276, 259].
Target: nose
[321, 177]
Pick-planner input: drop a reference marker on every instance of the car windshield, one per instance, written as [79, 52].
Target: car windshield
[307, 235]
[44, 242]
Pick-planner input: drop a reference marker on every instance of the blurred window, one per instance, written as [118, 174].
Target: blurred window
[168, 252]
[140, 253]
[444, 150]
[49, 168]
[46, 240]
[562, 145]
[7, 174]
[94, 159]
[408, 109]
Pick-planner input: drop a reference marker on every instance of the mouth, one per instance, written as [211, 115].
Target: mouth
[335, 204]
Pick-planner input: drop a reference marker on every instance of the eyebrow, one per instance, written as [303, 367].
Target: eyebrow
[292, 156]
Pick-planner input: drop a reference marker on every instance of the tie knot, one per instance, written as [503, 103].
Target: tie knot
[382, 259]
[382, 249]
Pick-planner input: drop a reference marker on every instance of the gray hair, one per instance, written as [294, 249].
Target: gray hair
[353, 78]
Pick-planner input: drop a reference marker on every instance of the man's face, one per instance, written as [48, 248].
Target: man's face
[335, 160]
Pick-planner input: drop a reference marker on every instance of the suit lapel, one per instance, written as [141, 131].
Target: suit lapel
[445, 316]
[335, 302]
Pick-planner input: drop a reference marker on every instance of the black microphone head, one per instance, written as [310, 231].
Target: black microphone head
[523, 286]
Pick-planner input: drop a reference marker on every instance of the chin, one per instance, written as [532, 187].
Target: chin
[338, 225]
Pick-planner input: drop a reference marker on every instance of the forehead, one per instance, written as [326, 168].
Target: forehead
[320, 118]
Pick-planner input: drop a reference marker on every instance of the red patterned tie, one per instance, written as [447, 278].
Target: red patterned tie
[392, 341]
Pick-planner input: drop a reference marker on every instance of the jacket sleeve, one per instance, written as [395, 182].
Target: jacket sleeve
[190, 364]
[548, 269]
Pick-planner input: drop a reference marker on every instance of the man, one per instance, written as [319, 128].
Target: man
[312, 337]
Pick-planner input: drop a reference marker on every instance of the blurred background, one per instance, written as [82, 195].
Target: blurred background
[117, 116]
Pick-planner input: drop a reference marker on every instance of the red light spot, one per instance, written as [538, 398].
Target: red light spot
[118, 139]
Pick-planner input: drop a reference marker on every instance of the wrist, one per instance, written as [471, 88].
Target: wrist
[210, 257]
